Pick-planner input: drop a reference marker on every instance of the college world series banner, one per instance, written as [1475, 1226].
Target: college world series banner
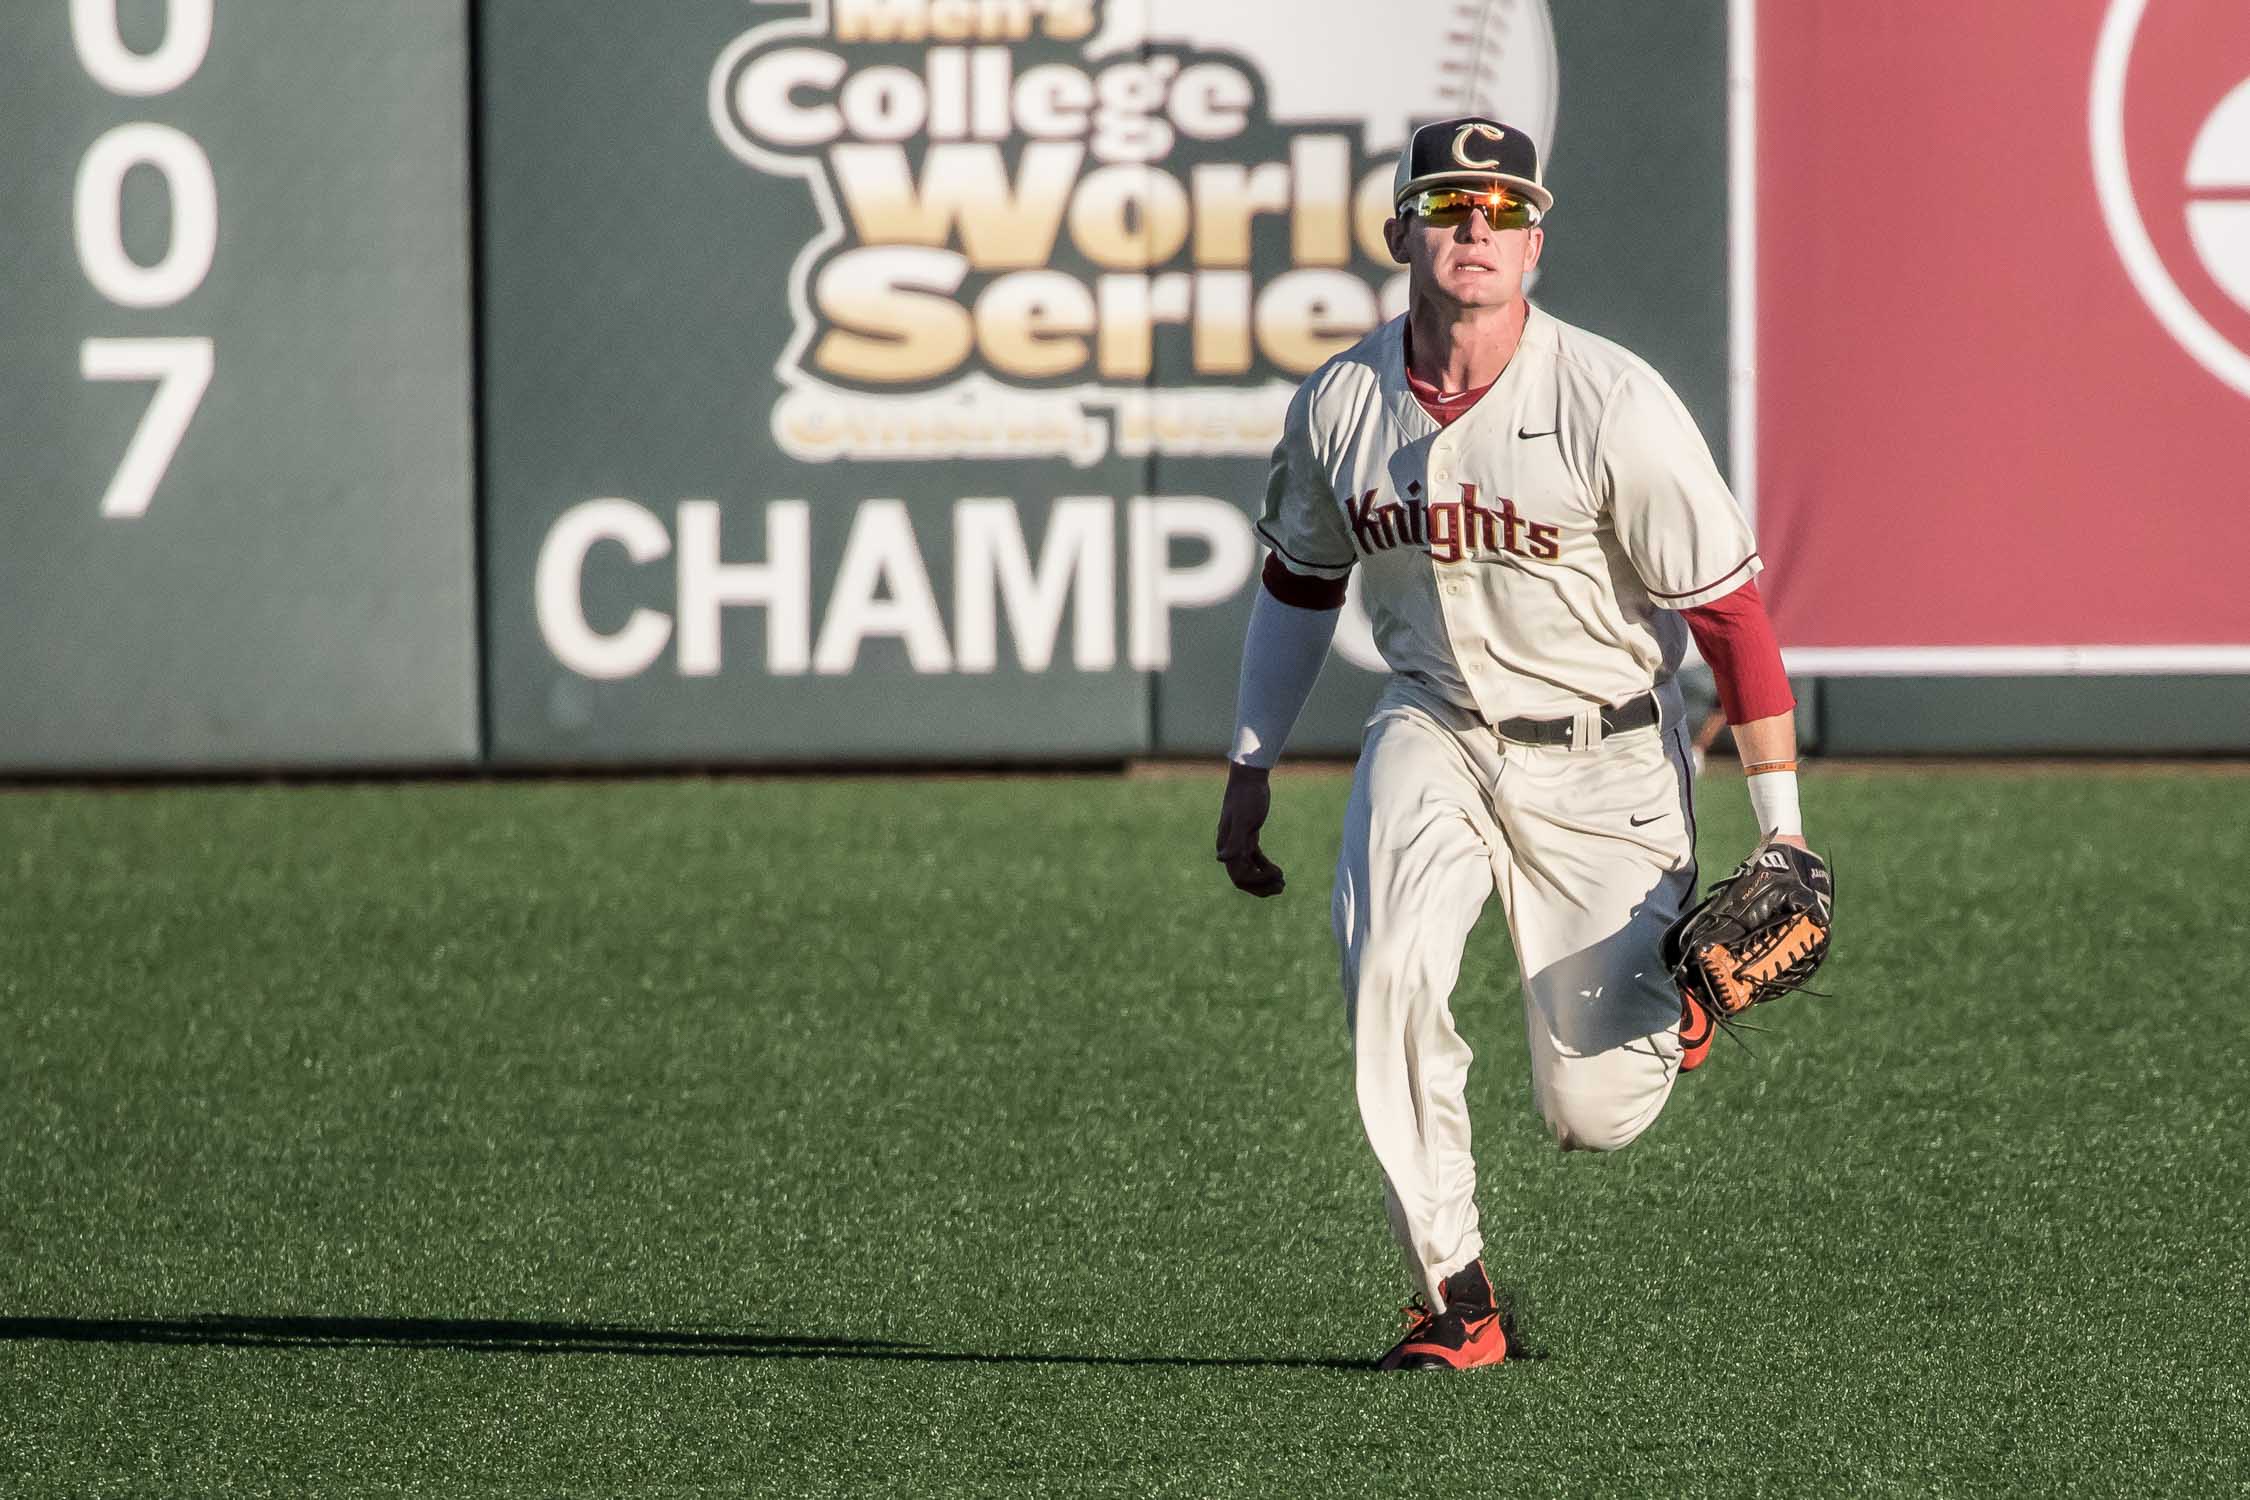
[2003, 349]
[886, 379]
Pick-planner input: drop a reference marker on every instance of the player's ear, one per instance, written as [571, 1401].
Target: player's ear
[1535, 239]
[1394, 239]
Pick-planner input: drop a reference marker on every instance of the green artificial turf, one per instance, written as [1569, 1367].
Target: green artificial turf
[933, 1137]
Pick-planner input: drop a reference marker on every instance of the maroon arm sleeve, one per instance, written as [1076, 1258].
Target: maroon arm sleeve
[1736, 638]
[1302, 591]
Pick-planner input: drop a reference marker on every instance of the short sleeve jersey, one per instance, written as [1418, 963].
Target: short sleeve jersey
[1529, 558]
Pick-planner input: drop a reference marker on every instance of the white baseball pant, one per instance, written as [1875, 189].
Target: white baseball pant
[1592, 850]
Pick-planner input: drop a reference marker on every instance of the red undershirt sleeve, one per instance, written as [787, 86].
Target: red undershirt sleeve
[1736, 638]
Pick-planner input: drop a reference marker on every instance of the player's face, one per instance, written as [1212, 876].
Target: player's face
[1465, 262]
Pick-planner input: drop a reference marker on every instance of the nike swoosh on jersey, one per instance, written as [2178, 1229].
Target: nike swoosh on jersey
[1525, 432]
[1644, 822]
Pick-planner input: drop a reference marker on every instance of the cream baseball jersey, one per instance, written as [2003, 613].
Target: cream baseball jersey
[1530, 557]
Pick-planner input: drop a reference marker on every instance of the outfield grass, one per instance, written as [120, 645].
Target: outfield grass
[971, 1137]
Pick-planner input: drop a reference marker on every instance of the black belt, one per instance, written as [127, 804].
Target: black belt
[1633, 713]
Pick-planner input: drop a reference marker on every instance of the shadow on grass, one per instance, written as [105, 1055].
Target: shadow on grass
[480, 1336]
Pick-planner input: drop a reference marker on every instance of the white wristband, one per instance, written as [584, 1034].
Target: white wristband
[1773, 797]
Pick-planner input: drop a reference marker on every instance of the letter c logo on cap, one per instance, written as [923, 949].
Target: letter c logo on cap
[1461, 144]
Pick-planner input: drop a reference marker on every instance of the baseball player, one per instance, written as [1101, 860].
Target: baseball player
[1538, 528]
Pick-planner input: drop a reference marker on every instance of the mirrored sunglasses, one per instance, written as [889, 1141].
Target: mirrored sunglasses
[1446, 208]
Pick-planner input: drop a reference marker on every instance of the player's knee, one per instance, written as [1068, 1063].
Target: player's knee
[1596, 1123]
[1390, 958]
[1598, 1135]
[1382, 964]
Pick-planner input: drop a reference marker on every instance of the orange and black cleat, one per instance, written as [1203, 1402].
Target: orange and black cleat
[1695, 1033]
[1470, 1333]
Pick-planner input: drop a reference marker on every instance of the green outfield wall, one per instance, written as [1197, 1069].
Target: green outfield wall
[545, 383]
[235, 386]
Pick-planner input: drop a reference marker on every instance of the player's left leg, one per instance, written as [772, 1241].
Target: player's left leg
[1415, 868]
[1602, 843]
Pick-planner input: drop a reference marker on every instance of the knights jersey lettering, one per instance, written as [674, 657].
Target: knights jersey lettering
[1532, 556]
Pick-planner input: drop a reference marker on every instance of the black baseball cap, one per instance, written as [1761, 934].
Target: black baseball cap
[1471, 150]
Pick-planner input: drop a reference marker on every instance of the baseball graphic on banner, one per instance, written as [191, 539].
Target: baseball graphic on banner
[2170, 133]
[1396, 66]
[2219, 175]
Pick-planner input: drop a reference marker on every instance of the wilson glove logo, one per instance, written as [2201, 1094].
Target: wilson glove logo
[1034, 222]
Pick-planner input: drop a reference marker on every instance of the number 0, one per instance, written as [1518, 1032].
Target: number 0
[181, 369]
[110, 63]
[97, 211]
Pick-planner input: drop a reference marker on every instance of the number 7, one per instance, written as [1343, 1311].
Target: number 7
[181, 368]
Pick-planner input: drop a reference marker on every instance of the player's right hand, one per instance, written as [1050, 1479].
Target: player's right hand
[1242, 812]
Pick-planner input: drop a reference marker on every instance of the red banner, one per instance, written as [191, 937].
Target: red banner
[2002, 348]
